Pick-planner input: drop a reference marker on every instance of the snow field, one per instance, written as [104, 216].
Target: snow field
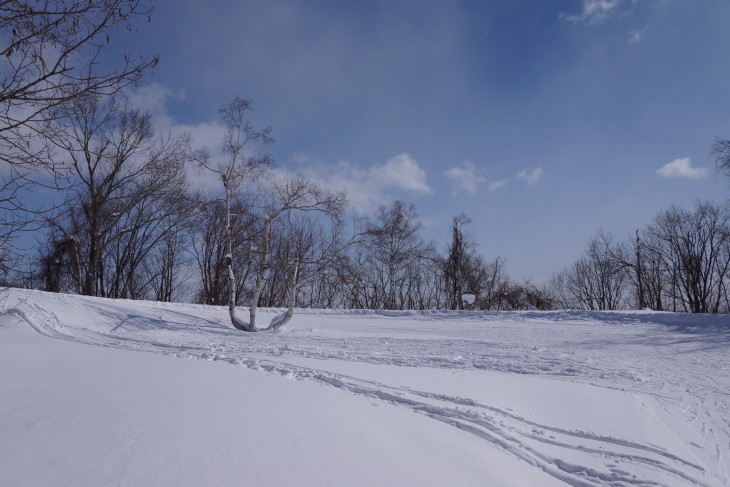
[359, 398]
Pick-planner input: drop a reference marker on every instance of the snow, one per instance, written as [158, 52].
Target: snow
[110, 392]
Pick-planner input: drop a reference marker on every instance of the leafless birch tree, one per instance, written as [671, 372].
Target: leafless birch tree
[288, 197]
[236, 167]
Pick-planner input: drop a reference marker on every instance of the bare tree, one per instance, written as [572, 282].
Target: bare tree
[56, 261]
[630, 255]
[456, 265]
[291, 196]
[354, 282]
[394, 245]
[695, 251]
[236, 168]
[655, 280]
[464, 270]
[210, 248]
[721, 153]
[597, 281]
[493, 290]
[309, 246]
[148, 229]
[51, 54]
[679, 262]
[125, 187]
[51, 51]
[168, 267]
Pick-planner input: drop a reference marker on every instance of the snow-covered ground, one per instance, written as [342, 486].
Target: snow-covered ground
[359, 398]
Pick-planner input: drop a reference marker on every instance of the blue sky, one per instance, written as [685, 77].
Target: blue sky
[541, 120]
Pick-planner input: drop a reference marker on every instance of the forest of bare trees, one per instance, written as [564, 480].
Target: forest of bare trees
[51, 54]
[130, 226]
[127, 222]
[679, 262]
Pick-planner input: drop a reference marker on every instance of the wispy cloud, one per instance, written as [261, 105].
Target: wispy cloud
[496, 185]
[154, 98]
[682, 168]
[635, 36]
[467, 177]
[367, 187]
[593, 11]
[530, 176]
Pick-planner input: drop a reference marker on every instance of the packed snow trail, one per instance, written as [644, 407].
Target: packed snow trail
[632, 398]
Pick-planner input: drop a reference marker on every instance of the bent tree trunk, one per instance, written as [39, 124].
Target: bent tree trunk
[237, 323]
[283, 319]
[295, 283]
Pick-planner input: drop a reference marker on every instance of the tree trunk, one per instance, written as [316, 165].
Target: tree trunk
[283, 319]
[639, 273]
[75, 250]
[260, 274]
[238, 324]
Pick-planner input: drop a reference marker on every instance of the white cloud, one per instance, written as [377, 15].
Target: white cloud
[635, 36]
[496, 185]
[401, 171]
[368, 187]
[682, 168]
[204, 135]
[152, 98]
[593, 11]
[466, 177]
[530, 176]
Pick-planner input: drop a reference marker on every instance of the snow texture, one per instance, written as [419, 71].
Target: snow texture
[359, 398]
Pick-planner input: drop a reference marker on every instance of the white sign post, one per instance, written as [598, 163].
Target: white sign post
[467, 299]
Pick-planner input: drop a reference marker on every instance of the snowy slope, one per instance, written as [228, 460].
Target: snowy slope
[359, 398]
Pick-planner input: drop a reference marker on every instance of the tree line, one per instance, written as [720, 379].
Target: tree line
[679, 262]
[129, 223]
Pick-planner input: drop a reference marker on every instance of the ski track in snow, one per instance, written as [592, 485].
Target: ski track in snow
[683, 370]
